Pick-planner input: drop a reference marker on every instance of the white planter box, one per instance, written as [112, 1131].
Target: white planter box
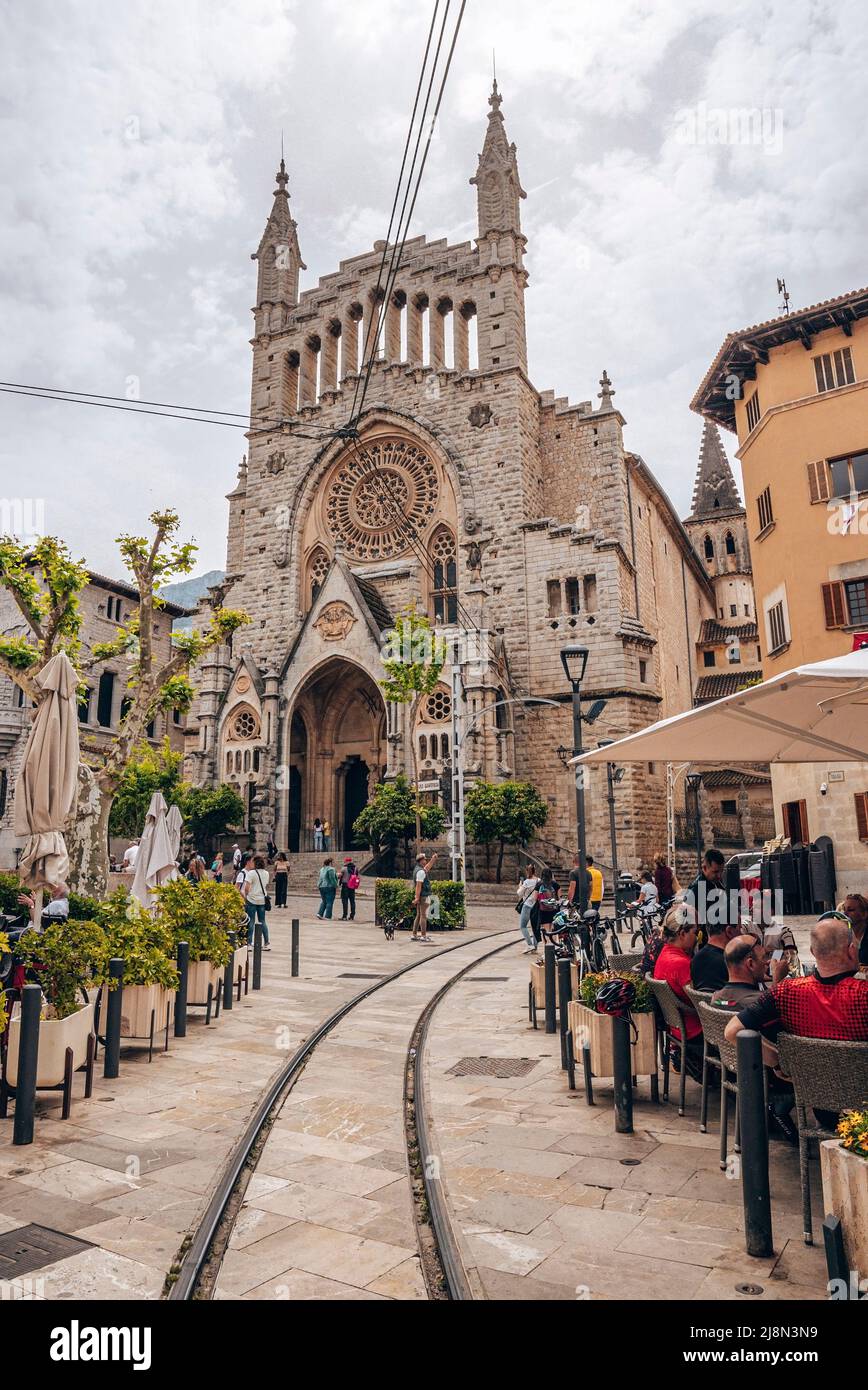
[200, 974]
[597, 1028]
[136, 1006]
[845, 1195]
[55, 1036]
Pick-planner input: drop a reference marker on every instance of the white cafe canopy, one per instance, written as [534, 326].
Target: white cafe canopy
[812, 714]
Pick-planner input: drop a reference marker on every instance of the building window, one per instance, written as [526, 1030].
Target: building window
[176, 716]
[105, 699]
[733, 654]
[643, 671]
[84, 707]
[589, 585]
[857, 600]
[438, 706]
[4, 788]
[777, 627]
[708, 658]
[553, 597]
[729, 808]
[423, 747]
[729, 543]
[753, 411]
[834, 369]
[445, 578]
[849, 475]
[444, 746]
[317, 570]
[764, 508]
[861, 800]
[733, 610]
[246, 725]
[113, 609]
[572, 596]
[708, 548]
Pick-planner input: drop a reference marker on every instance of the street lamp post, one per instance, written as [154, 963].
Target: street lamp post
[574, 660]
[694, 782]
[614, 775]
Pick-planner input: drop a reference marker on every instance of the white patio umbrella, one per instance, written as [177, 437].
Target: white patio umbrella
[155, 862]
[812, 714]
[46, 789]
[174, 825]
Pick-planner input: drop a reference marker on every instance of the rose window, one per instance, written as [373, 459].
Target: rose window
[438, 706]
[245, 725]
[381, 498]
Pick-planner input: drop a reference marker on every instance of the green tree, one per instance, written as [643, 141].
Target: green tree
[510, 812]
[393, 813]
[207, 811]
[415, 657]
[210, 811]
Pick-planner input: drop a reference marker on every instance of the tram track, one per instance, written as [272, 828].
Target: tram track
[195, 1273]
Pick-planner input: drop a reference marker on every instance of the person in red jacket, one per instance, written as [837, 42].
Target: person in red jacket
[673, 966]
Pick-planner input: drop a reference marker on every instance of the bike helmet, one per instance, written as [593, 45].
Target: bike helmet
[560, 920]
[615, 997]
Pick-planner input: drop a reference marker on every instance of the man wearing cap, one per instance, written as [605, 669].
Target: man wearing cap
[422, 897]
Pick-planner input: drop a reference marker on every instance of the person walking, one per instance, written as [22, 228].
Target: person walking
[317, 836]
[217, 868]
[196, 868]
[664, 879]
[596, 877]
[422, 897]
[528, 893]
[281, 878]
[326, 834]
[256, 899]
[349, 883]
[327, 883]
[237, 857]
[271, 849]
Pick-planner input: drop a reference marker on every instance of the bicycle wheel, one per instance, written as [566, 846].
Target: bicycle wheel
[598, 954]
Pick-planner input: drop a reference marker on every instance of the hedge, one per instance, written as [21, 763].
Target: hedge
[394, 899]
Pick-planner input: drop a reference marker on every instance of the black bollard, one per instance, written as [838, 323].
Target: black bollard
[28, 1051]
[181, 996]
[754, 1146]
[622, 1063]
[112, 1053]
[228, 973]
[565, 990]
[550, 989]
[257, 956]
[571, 1062]
[589, 1075]
[294, 947]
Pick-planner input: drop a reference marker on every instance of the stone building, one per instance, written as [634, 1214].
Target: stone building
[441, 477]
[104, 604]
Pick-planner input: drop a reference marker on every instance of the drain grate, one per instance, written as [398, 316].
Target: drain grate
[492, 1066]
[485, 979]
[351, 976]
[33, 1247]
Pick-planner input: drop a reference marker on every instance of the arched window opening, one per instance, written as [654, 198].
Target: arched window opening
[423, 747]
[317, 570]
[466, 346]
[238, 760]
[708, 547]
[83, 706]
[444, 745]
[105, 699]
[501, 711]
[729, 542]
[423, 329]
[350, 344]
[396, 328]
[247, 760]
[445, 576]
[332, 365]
[290, 382]
[312, 364]
[447, 329]
[228, 764]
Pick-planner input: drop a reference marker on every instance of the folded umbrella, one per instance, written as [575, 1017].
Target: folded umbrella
[155, 862]
[47, 783]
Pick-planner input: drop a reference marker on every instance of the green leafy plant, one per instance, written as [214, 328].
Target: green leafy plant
[853, 1132]
[394, 899]
[68, 956]
[4, 1015]
[207, 811]
[413, 660]
[10, 887]
[391, 816]
[509, 812]
[143, 942]
[644, 1001]
[202, 914]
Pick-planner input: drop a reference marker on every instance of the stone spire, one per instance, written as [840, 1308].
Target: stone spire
[278, 254]
[606, 392]
[498, 187]
[714, 491]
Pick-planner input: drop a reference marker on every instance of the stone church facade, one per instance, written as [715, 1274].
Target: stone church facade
[450, 482]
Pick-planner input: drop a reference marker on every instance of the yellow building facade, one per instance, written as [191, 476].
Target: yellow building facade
[795, 392]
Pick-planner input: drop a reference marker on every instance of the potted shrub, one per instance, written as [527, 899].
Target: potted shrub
[587, 1024]
[844, 1167]
[202, 914]
[394, 900]
[70, 958]
[145, 944]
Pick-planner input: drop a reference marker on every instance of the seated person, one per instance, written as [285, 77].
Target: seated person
[57, 905]
[647, 900]
[708, 967]
[832, 1003]
[855, 909]
[673, 966]
[746, 972]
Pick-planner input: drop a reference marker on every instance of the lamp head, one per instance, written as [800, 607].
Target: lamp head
[595, 710]
[574, 660]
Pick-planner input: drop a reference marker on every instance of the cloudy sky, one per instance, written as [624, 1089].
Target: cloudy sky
[138, 144]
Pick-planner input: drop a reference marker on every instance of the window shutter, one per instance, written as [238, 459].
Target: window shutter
[834, 605]
[818, 481]
[861, 800]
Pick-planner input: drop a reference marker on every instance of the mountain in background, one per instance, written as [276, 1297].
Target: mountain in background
[188, 592]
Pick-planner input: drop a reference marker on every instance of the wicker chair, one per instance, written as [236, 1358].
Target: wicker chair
[697, 995]
[722, 1056]
[827, 1075]
[628, 961]
[672, 1012]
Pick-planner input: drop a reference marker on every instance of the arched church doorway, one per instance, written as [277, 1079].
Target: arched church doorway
[337, 735]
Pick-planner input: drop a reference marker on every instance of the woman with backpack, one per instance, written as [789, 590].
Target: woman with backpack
[527, 893]
[256, 900]
[327, 883]
[546, 904]
[349, 883]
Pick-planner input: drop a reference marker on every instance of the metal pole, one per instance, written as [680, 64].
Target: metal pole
[622, 1063]
[257, 955]
[294, 947]
[610, 773]
[564, 995]
[754, 1146]
[551, 989]
[228, 981]
[28, 1051]
[580, 796]
[112, 1052]
[181, 996]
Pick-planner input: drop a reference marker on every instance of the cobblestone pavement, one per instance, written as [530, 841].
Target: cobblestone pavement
[544, 1203]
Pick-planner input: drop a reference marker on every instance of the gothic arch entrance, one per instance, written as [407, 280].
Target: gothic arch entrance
[337, 744]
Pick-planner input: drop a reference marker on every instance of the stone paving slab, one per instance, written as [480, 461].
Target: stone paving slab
[132, 1169]
[544, 1205]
